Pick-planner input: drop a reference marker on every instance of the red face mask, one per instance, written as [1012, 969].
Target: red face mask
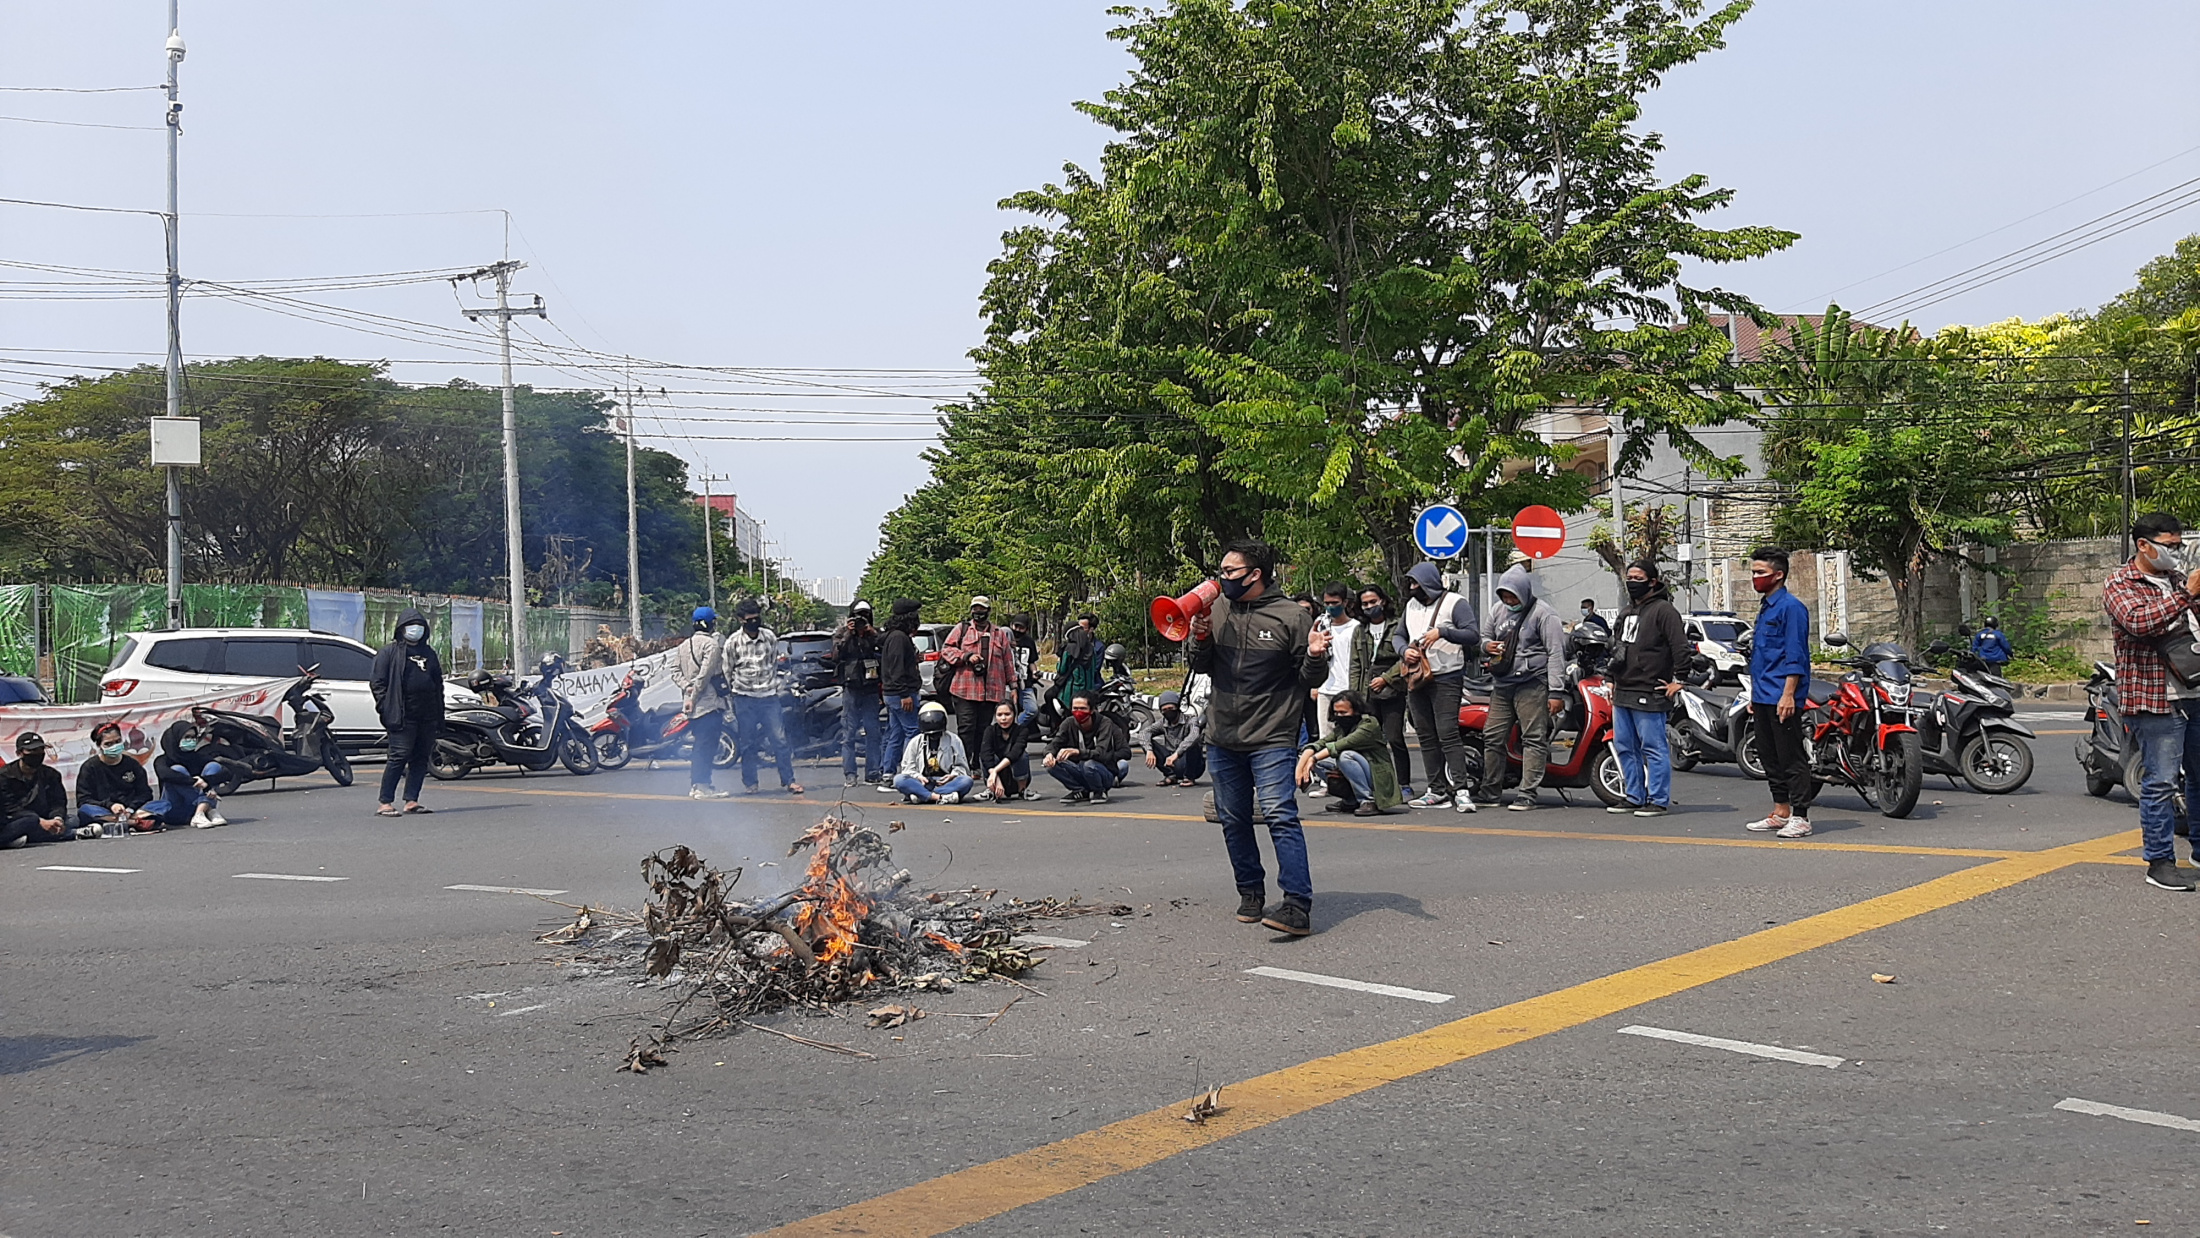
[1082, 715]
[1764, 584]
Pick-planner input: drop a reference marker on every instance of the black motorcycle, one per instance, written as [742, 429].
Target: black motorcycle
[2105, 756]
[533, 728]
[1971, 731]
[254, 747]
[1117, 696]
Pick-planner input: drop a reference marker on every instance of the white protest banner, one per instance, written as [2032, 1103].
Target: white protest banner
[68, 728]
[589, 689]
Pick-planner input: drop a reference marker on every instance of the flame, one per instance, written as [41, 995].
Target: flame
[952, 946]
[834, 918]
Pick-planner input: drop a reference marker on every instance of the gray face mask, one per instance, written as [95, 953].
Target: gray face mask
[413, 633]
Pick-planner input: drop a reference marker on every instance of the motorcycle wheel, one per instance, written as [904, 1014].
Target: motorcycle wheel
[727, 753]
[576, 753]
[1607, 779]
[2132, 776]
[1900, 775]
[2097, 784]
[612, 751]
[449, 768]
[1685, 756]
[338, 765]
[1995, 763]
[1745, 754]
[1141, 719]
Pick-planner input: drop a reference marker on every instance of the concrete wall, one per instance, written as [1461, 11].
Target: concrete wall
[2058, 581]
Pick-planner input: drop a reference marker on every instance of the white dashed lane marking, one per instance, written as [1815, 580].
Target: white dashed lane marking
[286, 877]
[1735, 1046]
[506, 1014]
[2147, 1116]
[1357, 986]
[83, 868]
[505, 890]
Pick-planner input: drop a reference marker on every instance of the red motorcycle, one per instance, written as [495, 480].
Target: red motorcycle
[1861, 731]
[627, 730]
[1591, 761]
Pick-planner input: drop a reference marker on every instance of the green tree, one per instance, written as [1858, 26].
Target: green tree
[1340, 258]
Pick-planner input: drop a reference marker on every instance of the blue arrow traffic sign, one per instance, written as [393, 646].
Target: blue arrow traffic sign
[1440, 531]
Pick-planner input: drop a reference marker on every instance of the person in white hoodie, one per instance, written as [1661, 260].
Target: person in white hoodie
[1524, 648]
[935, 767]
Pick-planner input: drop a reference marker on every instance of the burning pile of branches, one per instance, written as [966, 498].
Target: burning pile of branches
[850, 929]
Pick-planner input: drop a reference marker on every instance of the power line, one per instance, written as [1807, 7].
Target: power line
[78, 124]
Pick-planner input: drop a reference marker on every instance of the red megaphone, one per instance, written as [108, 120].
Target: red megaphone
[1172, 617]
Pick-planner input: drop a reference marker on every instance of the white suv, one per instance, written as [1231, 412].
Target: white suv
[155, 666]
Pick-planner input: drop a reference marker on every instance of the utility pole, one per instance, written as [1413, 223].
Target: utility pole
[633, 536]
[2131, 485]
[175, 330]
[1619, 494]
[710, 536]
[515, 560]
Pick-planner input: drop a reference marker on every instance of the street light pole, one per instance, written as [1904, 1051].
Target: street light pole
[175, 322]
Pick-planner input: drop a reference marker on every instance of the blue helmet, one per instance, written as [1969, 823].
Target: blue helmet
[704, 614]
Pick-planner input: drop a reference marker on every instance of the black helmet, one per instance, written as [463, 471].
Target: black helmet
[932, 718]
[1116, 652]
[480, 680]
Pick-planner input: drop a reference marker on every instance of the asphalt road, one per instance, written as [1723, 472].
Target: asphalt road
[186, 1050]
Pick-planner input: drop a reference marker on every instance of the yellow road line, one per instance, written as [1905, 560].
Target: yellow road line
[988, 1190]
[1968, 853]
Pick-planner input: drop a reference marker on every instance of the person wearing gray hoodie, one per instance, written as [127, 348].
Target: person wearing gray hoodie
[1523, 647]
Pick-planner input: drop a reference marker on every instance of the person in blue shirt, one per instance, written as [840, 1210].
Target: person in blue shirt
[1779, 692]
[1991, 646]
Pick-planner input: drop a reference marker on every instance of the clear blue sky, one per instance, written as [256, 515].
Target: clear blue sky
[815, 186]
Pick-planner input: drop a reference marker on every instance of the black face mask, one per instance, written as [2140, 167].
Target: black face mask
[751, 623]
[1638, 589]
[1374, 614]
[1344, 722]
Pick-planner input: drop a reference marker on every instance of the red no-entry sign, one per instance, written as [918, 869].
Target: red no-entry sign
[1538, 531]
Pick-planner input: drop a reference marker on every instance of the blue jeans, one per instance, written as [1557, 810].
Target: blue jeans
[178, 800]
[1259, 785]
[1087, 775]
[2169, 752]
[1638, 737]
[762, 721]
[910, 784]
[901, 727]
[1027, 706]
[859, 712]
[1357, 774]
[703, 731]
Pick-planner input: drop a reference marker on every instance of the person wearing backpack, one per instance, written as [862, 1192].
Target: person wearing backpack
[1650, 647]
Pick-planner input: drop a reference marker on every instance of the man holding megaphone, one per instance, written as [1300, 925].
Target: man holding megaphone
[1263, 656]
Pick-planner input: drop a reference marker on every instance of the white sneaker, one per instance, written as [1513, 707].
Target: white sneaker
[708, 793]
[201, 821]
[216, 818]
[90, 831]
[952, 797]
[1031, 795]
[1797, 827]
[1463, 801]
[1769, 824]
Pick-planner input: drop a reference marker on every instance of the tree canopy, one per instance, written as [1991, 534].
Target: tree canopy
[1341, 258]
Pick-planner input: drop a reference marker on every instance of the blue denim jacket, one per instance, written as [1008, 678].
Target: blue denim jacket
[1779, 647]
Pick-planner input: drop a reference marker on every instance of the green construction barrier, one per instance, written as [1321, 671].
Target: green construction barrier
[89, 623]
[19, 630]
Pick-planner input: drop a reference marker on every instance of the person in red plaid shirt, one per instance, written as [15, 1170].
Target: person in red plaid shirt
[983, 659]
[2148, 598]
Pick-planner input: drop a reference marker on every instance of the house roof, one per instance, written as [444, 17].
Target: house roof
[1750, 339]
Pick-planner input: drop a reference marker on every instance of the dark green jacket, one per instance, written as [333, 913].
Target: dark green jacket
[1367, 740]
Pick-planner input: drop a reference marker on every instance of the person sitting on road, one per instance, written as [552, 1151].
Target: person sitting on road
[935, 768]
[1353, 758]
[33, 803]
[1173, 744]
[1991, 646]
[190, 778]
[1004, 755]
[111, 788]
[1091, 753]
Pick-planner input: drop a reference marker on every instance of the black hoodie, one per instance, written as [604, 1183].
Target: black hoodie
[1651, 644]
[407, 680]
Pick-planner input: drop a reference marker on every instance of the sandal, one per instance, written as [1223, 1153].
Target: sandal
[388, 810]
[421, 808]
[792, 788]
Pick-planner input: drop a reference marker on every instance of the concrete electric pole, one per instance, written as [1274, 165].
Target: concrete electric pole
[515, 561]
[175, 443]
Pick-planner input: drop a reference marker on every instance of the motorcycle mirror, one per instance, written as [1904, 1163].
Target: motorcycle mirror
[1835, 639]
